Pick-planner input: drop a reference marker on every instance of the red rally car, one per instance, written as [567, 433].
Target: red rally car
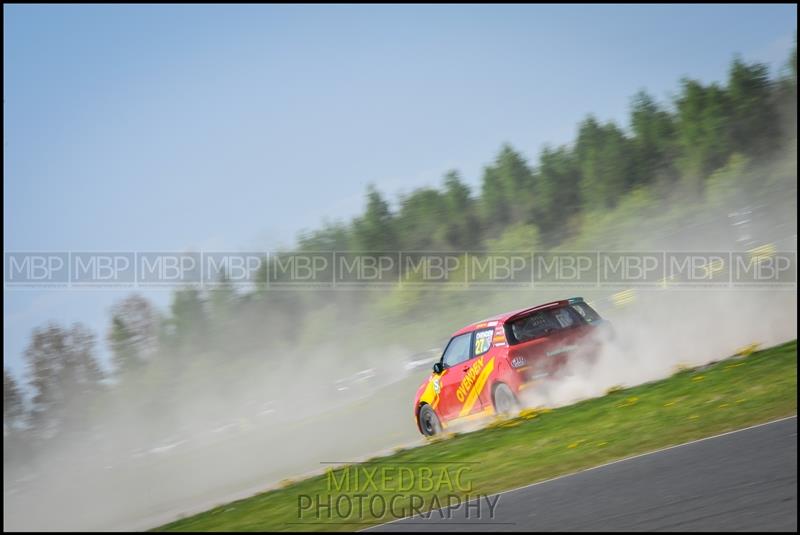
[487, 364]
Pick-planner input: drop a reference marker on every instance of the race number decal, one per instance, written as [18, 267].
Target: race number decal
[483, 341]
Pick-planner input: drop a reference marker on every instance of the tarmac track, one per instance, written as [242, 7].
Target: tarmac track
[745, 480]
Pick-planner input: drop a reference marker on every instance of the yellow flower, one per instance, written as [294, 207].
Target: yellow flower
[628, 402]
[498, 421]
[748, 349]
[529, 413]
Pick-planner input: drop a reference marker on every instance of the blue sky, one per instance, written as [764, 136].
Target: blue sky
[235, 127]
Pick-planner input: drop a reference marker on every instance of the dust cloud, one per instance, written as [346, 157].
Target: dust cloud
[667, 330]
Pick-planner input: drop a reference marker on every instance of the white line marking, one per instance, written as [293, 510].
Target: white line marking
[563, 476]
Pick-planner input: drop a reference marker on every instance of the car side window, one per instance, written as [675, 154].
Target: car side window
[483, 341]
[457, 350]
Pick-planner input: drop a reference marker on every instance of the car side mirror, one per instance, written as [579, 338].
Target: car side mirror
[438, 368]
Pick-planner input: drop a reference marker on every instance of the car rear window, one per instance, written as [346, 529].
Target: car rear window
[566, 317]
[543, 323]
[533, 326]
[586, 312]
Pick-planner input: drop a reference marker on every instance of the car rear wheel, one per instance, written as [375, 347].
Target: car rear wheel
[429, 423]
[505, 403]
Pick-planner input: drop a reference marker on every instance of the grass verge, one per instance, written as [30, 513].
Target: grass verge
[691, 404]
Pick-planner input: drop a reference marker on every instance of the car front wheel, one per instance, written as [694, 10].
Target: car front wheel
[429, 423]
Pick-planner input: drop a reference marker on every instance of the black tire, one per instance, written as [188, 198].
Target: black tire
[429, 424]
[504, 400]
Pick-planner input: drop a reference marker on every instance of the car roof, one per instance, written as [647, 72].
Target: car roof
[500, 319]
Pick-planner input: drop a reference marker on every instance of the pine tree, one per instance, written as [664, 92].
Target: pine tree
[133, 333]
[375, 231]
[13, 404]
[65, 376]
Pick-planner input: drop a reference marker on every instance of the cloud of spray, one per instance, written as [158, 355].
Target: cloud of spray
[666, 330]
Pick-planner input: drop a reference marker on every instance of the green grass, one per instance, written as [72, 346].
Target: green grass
[691, 404]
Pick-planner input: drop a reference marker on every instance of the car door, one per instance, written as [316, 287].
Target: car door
[466, 379]
[478, 377]
[455, 361]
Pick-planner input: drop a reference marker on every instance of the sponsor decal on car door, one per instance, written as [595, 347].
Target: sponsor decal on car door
[464, 382]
